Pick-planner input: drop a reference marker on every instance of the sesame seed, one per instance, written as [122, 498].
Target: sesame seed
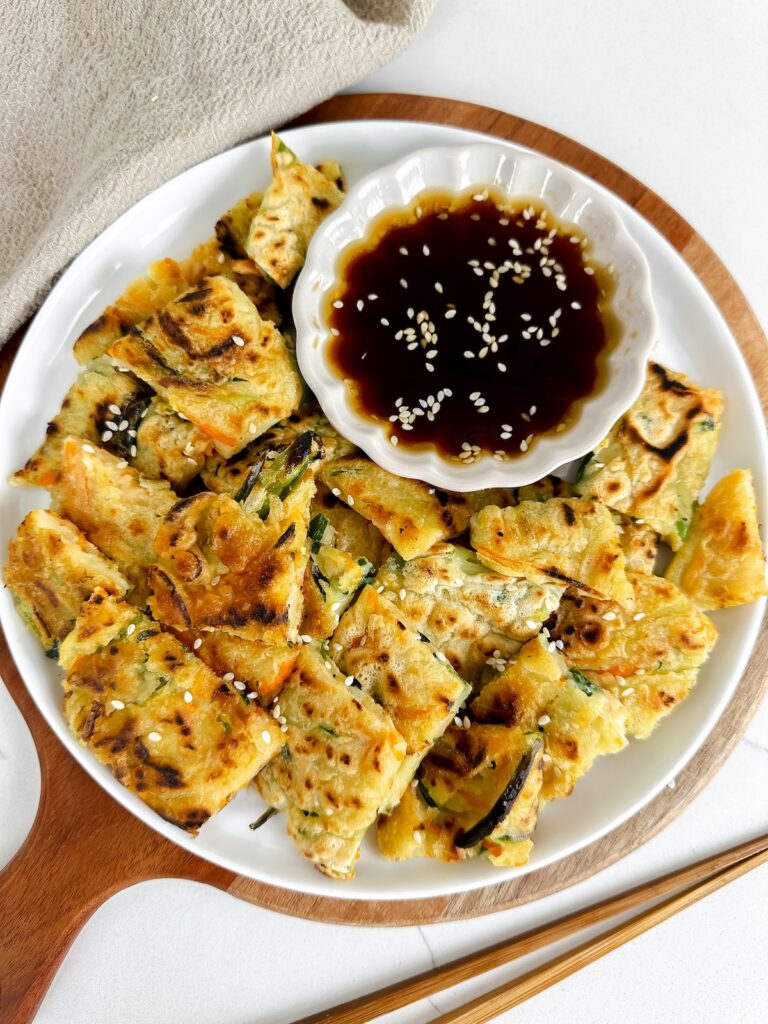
[220, 257]
[349, 680]
[89, 448]
[215, 581]
[228, 677]
[372, 297]
[305, 638]
[544, 720]
[467, 722]
[360, 304]
[338, 304]
[187, 697]
[402, 593]
[502, 367]
[134, 449]
[531, 624]
[283, 728]
[457, 721]
[334, 332]
[638, 617]
[425, 250]
[154, 737]
[197, 644]
[450, 314]
[115, 409]
[350, 500]
[131, 629]
[107, 435]
[238, 340]
[266, 736]
[385, 321]
[122, 464]
[609, 616]
[403, 251]
[117, 705]
[628, 692]
[393, 441]
[251, 696]
[403, 283]
[441, 657]
[417, 835]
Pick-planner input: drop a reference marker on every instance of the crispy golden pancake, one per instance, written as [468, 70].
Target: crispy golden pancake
[339, 765]
[214, 360]
[117, 508]
[655, 459]
[171, 730]
[648, 656]
[466, 781]
[578, 721]
[474, 615]
[51, 570]
[563, 540]
[409, 513]
[721, 562]
[220, 568]
[294, 204]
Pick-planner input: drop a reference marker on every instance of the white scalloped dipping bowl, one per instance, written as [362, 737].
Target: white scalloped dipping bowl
[521, 177]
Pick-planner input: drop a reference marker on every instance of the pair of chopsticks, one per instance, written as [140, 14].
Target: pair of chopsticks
[696, 881]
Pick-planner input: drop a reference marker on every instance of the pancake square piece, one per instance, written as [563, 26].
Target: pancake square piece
[117, 508]
[411, 515]
[51, 570]
[298, 199]
[403, 672]
[340, 761]
[170, 729]
[721, 562]
[476, 617]
[564, 540]
[220, 568]
[215, 361]
[655, 459]
[648, 656]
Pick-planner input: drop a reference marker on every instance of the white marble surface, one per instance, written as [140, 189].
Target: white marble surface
[675, 93]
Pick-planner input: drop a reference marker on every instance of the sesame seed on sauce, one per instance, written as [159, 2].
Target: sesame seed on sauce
[492, 304]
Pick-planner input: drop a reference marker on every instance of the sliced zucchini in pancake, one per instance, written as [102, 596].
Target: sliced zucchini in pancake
[352, 532]
[563, 540]
[294, 204]
[51, 570]
[220, 568]
[227, 476]
[477, 789]
[648, 656]
[170, 730]
[655, 459]
[410, 514]
[117, 508]
[214, 360]
[403, 672]
[721, 562]
[474, 615]
[99, 400]
[340, 761]
[276, 473]
[577, 723]
[331, 580]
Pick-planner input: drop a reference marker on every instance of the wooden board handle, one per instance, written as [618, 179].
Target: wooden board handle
[83, 847]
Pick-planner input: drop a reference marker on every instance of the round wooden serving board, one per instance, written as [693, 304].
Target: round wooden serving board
[84, 846]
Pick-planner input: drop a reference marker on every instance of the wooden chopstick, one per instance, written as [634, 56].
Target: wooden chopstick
[484, 1008]
[393, 997]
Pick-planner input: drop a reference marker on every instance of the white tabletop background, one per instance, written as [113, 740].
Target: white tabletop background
[676, 92]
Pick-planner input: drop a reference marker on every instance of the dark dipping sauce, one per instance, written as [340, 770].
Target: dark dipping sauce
[470, 326]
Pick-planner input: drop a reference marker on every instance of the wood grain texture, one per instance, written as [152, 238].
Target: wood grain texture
[84, 846]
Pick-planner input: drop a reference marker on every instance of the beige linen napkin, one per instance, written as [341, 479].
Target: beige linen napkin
[102, 102]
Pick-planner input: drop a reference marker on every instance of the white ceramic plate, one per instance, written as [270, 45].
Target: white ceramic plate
[170, 221]
[521, 177]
